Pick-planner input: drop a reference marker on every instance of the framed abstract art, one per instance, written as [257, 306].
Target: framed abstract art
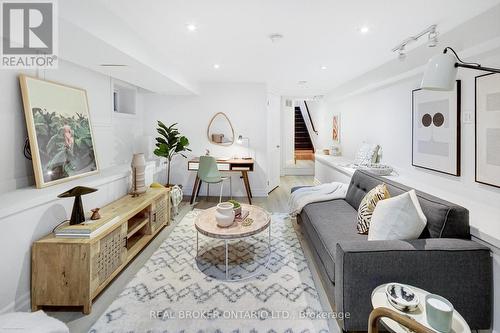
[59, 131]
[336, 128]
[488, 129]
[436, 130]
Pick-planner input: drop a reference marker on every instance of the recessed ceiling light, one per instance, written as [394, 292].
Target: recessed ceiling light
[323, 67]
[216, 66]
[191, 27]
[275, 37]
[364, 29]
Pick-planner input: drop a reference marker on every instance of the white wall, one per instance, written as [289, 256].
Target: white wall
[383, 116]
[27, 214]
[287, 134]
[243, 103]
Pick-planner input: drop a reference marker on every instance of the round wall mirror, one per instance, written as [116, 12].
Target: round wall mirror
[220, 130]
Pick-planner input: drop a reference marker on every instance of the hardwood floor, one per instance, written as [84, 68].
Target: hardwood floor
[276, 202]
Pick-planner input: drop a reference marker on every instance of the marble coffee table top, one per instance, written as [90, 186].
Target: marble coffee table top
[206, 224]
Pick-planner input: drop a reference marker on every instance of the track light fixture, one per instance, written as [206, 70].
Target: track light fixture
[402, 52]
[432, 40]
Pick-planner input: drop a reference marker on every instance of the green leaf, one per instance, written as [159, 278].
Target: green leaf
[170, 142]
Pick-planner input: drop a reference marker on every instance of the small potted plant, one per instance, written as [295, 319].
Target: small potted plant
[169, 144]
[237, 207]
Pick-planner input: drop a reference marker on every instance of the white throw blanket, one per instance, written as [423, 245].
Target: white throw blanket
[307, 195]
[31, 322]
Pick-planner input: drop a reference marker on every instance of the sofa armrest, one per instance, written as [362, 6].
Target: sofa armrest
[460, 270]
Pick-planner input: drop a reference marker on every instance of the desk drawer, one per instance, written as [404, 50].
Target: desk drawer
[241, 168]
[193, 165]
[220, 166]
[223, 166]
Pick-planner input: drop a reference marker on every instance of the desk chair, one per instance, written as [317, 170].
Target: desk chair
[210, 174]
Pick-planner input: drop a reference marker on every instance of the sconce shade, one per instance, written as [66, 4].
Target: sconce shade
[441, 73]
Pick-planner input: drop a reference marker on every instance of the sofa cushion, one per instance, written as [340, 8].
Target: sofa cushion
[444, 219]
[399, 218]
[367, 206]
[326, 223]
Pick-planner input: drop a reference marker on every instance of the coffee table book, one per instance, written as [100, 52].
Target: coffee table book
[85, 230]
[242, 216]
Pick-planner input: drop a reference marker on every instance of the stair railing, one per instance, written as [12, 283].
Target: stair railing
[310, 119]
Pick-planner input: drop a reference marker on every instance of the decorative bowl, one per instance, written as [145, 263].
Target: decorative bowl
[377, 168]
[402, 297]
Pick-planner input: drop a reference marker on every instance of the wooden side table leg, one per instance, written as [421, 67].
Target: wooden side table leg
[195, 185]
[244, 175]
[248, 182]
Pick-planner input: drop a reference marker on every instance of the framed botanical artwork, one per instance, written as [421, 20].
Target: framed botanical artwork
[336, 128]
[59, 131]
[488, 129]
[436, 130]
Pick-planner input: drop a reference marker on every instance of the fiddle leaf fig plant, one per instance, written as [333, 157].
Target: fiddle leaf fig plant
[170, 143]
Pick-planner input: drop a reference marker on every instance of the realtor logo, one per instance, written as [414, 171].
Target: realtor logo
[29, 34]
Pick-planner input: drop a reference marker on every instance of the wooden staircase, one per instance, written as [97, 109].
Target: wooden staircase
[304, 149]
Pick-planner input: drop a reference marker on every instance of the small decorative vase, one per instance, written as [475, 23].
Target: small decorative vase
[138, 174]
[224, 214]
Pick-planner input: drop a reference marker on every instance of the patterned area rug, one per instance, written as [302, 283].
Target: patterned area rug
[174, 292]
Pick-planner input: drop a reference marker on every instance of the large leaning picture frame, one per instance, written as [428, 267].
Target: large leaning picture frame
[436, 130]
[59, 131]
[487, 125]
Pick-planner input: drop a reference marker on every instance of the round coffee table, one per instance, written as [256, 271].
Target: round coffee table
[379, 299]
[206, 225]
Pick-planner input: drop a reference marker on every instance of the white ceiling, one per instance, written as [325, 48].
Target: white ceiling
[234, 34]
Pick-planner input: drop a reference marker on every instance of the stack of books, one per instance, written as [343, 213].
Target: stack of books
[86, 229]
[242, 216]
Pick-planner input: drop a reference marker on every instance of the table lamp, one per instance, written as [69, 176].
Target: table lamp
[77, 214]
[240, 141]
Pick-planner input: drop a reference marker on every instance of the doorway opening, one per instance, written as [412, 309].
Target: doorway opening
[299, 139]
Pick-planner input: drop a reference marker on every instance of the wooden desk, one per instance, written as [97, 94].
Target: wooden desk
[233, 165]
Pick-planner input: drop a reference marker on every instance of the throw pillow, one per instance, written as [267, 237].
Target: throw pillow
[367, 154]
[367, 206]
[399, 217]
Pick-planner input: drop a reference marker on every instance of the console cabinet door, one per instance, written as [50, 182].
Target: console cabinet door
[108, 255]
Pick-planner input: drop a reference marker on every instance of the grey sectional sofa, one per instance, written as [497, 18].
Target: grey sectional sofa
[443, 261]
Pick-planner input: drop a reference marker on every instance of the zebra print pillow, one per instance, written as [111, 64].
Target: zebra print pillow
[367, 207]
